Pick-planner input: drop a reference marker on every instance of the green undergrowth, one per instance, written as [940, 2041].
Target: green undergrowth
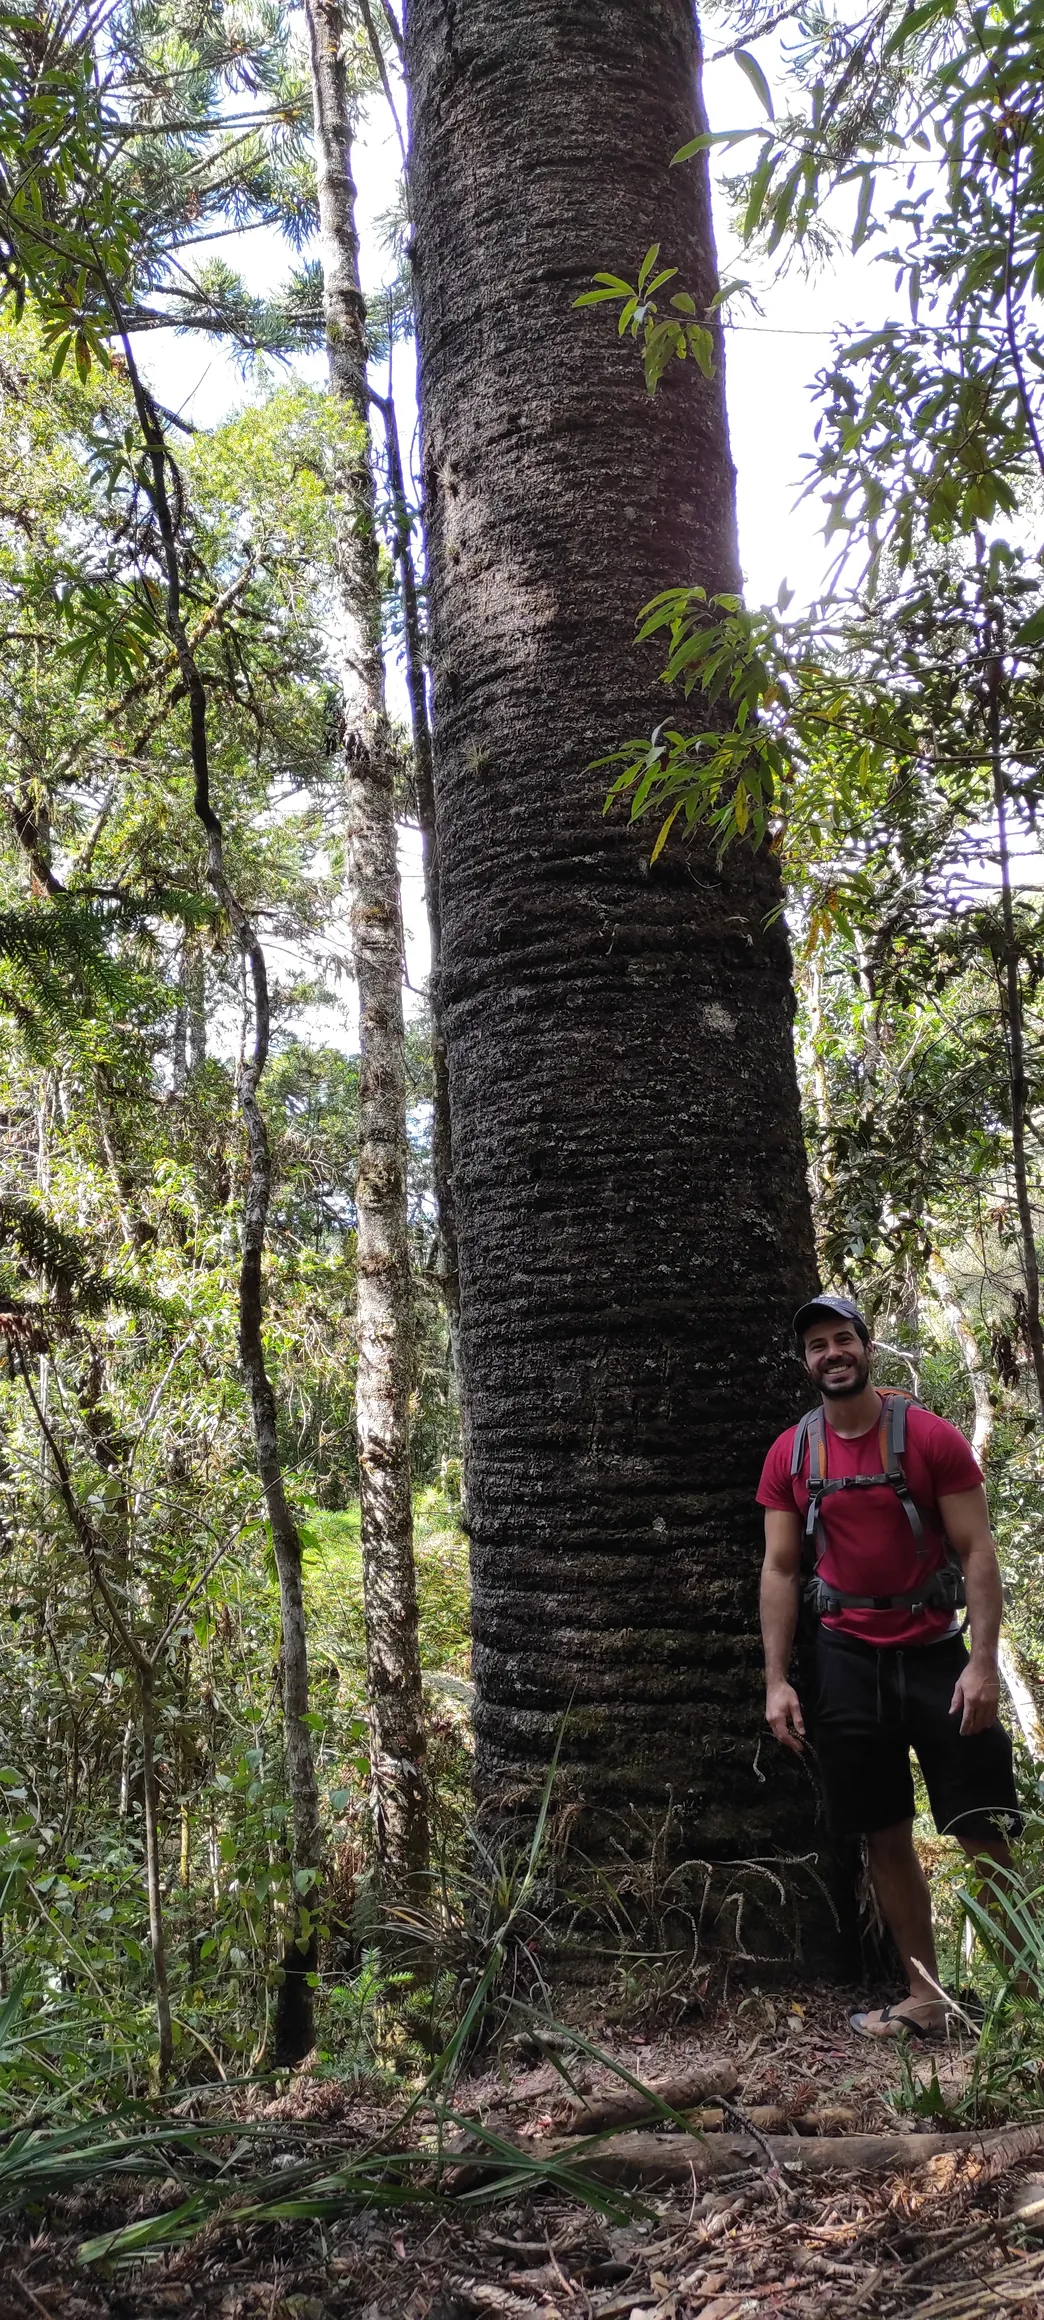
[333, 1580]
[213, 2169]
[991, 1954]
[77, 2023]
[208, 2159]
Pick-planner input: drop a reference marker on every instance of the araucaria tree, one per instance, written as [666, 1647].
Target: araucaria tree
[632, 1208]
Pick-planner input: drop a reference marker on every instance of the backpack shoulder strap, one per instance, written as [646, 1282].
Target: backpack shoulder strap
[892, 1435]
[808, 1434]
[893, 1446]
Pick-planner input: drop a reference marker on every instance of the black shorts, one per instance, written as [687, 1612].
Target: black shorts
[872, 1708]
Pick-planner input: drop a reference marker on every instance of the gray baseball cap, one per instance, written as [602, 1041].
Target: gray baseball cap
[842, 1306]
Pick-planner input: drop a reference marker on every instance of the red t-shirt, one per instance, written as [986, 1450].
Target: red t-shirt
[870, 1548]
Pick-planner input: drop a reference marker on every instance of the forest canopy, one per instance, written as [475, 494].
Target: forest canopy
[310, 1282]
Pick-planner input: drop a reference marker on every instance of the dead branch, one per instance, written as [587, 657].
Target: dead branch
[644, 2160]
[625, 2105]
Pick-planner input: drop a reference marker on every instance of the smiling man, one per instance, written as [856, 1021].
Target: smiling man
[879, 1506]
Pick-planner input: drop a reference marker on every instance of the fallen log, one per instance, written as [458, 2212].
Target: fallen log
[828, 2119]
[645, 2159]
[642, 2161]
[621, 2105]
[832, 2119]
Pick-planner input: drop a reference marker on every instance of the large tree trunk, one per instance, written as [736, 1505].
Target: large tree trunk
[633, 1215]
[384, 1304]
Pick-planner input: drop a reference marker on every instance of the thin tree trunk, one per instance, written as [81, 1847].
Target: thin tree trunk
[196, 1006]
[190, 1023]
[295, 2008]
[179, 1042]
[632, 1209]
[384, 1308]
[821, 1170]
[424, 776]
[153, 1874]
[1015, 1684]
[1021, 1697]
[968, 1347]
[125, 1759]
[1013, 1015]
[144, 1670]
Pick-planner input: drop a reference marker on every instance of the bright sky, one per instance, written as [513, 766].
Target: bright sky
[771, 360]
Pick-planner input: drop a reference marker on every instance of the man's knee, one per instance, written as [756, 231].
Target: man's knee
[988, 1852]
[893, 1843]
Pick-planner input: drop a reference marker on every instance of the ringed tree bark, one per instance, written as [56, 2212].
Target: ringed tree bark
[633, 1215]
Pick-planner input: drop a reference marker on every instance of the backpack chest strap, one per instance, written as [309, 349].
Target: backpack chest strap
[810, 1435]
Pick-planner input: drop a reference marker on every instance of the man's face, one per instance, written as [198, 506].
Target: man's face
[836, 1358]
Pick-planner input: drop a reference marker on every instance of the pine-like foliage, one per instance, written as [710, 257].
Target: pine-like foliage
[65, 1271]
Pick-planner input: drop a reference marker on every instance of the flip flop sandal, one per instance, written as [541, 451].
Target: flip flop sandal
[892, 2021]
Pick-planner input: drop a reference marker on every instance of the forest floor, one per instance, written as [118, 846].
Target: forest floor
[935, 2236]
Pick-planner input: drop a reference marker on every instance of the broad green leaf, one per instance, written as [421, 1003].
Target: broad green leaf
[759, 186]
[709, 137]
[752, 71]
[915, 21]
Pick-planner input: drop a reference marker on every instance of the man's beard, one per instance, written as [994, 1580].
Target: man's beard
[838, 1388]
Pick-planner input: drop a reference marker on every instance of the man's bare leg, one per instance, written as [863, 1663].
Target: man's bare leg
[905, 1904]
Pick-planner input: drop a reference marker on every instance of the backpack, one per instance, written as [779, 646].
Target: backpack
[941, 1590]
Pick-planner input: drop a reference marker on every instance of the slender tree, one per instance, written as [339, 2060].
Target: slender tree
[964, 1337]
[993, 689]
[424, 784]
[384, 1293]
[633, 1216]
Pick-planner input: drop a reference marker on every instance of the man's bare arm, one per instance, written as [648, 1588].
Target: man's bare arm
[966, 1520]
[780, 1592]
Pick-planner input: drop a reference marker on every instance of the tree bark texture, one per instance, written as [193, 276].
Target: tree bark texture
[384, 1306]
[632, 1208]
[424, 780]
[1011, 1001]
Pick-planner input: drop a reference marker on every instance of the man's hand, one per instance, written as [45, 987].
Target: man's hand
[976, 1695]
[783, 1712]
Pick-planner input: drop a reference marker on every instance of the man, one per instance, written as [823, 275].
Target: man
[893, 1528]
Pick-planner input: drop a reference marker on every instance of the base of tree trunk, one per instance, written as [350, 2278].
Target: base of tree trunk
[294, 2032]
[759, 1908]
